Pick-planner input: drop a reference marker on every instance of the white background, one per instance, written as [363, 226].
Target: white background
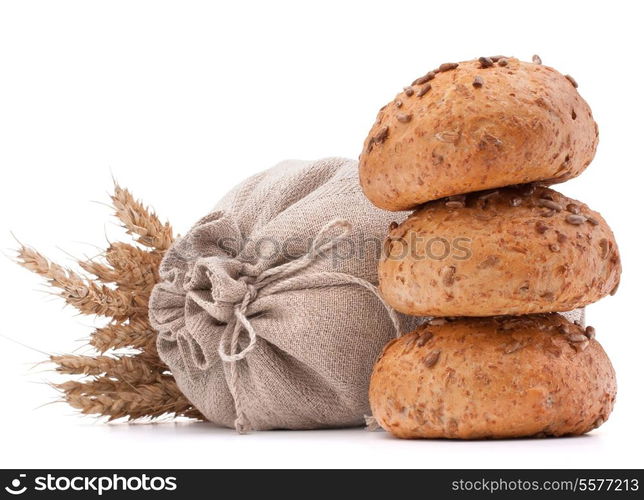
[164, 93]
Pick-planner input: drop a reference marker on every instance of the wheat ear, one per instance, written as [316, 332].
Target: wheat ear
[86, 296]
[117, 399]
[140, 221]
[128, 267]
[131, 369]
[135, 333]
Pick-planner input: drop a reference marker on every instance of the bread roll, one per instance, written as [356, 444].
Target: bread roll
[512, 251]
[506, 377]
[473, 127]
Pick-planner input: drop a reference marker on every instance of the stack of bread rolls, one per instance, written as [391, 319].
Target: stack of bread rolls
[491, 254]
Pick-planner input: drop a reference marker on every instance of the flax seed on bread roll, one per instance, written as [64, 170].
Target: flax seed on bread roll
[517, 250]
[475, 378]
[476, 125]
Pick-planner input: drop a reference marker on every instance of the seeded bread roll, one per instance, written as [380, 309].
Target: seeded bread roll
[518, 250]
[476, 125]
[475, 378]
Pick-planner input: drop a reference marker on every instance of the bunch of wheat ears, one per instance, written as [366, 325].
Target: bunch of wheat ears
[124, 378]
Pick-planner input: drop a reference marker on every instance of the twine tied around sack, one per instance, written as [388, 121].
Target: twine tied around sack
[326, 239]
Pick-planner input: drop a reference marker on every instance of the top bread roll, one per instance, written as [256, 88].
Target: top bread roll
[477, 125]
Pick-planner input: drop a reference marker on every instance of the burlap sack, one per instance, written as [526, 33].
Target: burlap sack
[267, 314]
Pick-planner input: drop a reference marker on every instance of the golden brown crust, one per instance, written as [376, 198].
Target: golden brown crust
[476, 128]
[476, 378]
[518, 250]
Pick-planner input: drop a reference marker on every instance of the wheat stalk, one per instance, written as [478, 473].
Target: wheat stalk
[134, 370]
[117, 399]
[140, 221]
[128, 267]
[132, 384]
[136, 333]
[86, 296]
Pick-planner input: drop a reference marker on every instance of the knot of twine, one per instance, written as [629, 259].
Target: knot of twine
[327, 238]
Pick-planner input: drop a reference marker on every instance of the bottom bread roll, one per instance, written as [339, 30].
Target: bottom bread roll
[499, 377]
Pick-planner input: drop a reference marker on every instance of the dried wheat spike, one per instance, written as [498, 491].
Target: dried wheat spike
[86, 296]
[136, 333]
[131, 369]
[75, 388]
[139, 220]
[116, 399]
[128, 267]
